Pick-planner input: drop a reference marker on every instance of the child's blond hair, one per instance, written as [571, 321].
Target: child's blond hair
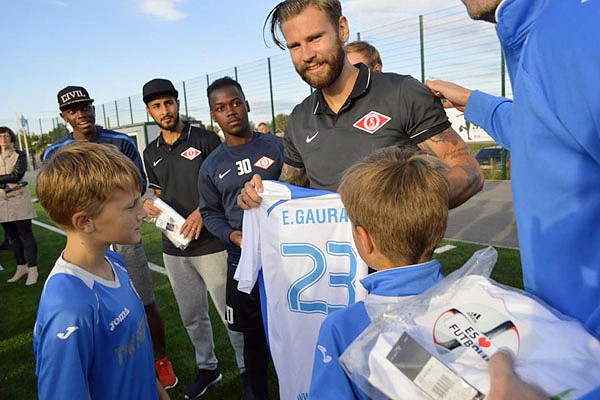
[82, 176]
[401, 199]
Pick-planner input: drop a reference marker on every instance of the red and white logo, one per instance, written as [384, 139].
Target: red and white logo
[264, 162]
[191, 153]
[371, 122]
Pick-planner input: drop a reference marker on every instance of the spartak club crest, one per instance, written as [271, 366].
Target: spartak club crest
[191, 153]
[371, 122]
[264, 162]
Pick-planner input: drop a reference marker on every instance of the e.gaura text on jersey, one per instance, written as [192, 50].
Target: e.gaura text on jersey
[314, 216]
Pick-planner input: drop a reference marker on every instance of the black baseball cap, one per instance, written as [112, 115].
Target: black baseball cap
[72, 95]
[158, 87]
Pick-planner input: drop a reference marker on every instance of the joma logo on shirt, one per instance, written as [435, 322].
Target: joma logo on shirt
[371, 122]
[122, 315]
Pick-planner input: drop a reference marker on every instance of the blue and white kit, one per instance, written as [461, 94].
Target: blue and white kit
[553, 132]
[329, 380]
[124, 143]
[91, 338]
[302, 241]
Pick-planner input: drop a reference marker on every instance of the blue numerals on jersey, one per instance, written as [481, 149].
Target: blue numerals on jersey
[300, 303]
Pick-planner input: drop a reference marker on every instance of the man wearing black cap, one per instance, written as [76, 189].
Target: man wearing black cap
[76, 108]
[172, 163]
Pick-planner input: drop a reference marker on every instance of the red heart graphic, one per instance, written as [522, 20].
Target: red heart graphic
[483, 342]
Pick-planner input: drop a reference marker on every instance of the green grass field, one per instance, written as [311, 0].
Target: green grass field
[18, 305]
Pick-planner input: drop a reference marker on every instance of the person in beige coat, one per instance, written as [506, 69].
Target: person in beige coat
[16, 208]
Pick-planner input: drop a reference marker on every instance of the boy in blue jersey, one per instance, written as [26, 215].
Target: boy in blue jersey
[91, 336]
[221, 177]
[398, 204]
[76, 108]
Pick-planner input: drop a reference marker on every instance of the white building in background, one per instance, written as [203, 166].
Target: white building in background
[467, 131]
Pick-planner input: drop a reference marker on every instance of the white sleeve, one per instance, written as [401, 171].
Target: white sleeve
[250, 260]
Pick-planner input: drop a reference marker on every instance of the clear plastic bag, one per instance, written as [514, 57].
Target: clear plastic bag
[169, 222]
[460, 323]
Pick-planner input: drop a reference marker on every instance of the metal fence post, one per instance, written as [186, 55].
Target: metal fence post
[117, 111]
[422, 48]
[130, 110]
[212, 126]
[235, 73]
[187, 116]
[104, 113]
[274, 123]
[357, 35]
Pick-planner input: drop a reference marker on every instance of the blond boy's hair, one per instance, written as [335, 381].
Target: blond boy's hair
[82, 176]
[401, 200]
[367, 50]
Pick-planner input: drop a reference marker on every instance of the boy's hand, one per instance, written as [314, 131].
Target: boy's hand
[236, 238]
[192, 226]
[151, 210]
[248, 197]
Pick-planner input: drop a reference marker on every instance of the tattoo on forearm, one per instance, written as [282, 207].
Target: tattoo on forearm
[446, 136]
[474, 179]
[294, 176]
[456, 153]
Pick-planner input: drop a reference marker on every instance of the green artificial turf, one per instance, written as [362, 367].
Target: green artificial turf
[18, 306]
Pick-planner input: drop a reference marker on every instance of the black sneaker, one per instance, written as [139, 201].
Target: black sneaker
[205, 379]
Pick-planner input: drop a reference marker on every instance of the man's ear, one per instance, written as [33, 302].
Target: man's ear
[366, 240]
[343, 30]
[82, 222]
[247, 106]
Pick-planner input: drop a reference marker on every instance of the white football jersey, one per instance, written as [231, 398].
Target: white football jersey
[302, 240]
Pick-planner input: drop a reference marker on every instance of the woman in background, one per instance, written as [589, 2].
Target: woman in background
[16, 208]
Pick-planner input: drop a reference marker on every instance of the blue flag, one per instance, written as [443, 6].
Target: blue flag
[23, 121]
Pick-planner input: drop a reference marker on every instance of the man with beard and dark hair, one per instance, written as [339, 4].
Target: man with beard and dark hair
[354, 110]
[172, 163]
[221, 178]
[76, 108]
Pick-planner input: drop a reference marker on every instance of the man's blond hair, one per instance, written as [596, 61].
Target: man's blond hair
[82, 176]
[288, 9]
[401, 199]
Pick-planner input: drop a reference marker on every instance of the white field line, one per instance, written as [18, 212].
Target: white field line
[54, 229]
[444, 249]
[161, 270]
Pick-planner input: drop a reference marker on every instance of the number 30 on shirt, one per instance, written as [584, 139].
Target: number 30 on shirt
[299, 303]
[243, 166]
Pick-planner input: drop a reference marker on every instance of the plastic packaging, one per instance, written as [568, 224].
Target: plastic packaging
[460, 323]
[169, 222]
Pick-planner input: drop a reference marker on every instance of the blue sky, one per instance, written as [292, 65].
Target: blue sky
[113, 46]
